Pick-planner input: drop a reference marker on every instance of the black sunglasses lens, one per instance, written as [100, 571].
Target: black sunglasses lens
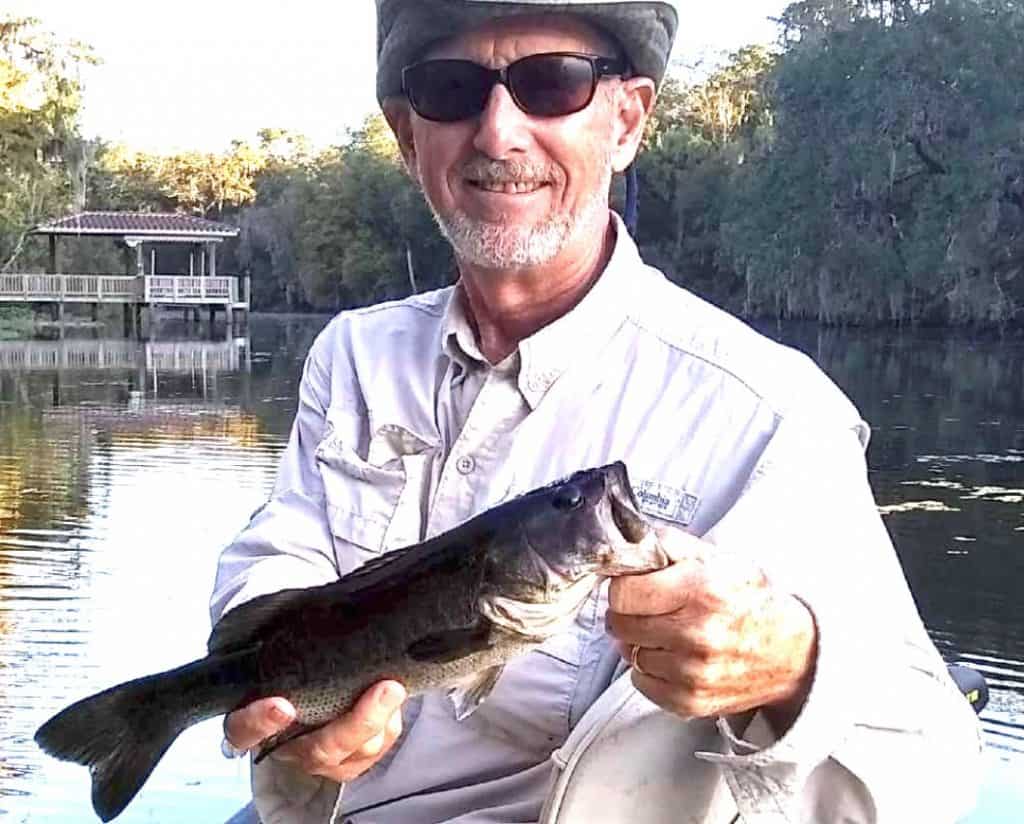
[552, 85]
[447, 90]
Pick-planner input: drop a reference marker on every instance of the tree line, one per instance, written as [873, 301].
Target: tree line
[867, 169]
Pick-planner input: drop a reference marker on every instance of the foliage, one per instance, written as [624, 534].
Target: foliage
[361, 223]
[41, 158]
[893, 186]
[16, 322]
[869, 170]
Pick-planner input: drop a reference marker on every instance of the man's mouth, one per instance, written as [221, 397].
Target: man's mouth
[516, 187]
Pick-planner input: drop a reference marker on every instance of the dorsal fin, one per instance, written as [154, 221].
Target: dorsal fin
[242, 626]
[239, 627]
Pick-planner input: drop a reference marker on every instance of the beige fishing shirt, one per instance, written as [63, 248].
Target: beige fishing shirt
[403, 431]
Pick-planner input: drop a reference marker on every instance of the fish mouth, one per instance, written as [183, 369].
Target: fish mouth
[626, 518]
[636, 548]
[623, 506]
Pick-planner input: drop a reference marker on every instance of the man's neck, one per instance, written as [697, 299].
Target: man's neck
[507, 306]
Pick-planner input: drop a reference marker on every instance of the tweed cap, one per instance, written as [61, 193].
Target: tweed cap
[407, 28]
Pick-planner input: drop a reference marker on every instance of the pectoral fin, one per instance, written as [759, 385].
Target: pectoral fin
[289, 733]
[444, 647]
[470, 695]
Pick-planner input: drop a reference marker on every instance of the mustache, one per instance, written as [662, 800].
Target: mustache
[485, 170]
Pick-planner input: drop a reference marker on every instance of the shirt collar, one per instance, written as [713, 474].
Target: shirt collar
[550, 351]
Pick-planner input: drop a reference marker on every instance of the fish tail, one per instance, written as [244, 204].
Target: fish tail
[121, 733]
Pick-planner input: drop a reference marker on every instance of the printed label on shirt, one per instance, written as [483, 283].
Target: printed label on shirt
[664, 501]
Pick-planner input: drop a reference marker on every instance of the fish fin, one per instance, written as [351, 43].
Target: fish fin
[443, 647]
[120, 734]
[472, 693]
[289, 733]
[242, 625]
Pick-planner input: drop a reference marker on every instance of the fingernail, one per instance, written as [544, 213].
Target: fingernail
[391, 696]
[279, 714]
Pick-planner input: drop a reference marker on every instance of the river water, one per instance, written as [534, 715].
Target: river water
[125, 467]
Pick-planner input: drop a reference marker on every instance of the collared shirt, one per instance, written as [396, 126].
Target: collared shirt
[404, 431]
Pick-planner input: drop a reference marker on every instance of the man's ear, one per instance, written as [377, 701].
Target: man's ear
[399, 117]
[633, 105]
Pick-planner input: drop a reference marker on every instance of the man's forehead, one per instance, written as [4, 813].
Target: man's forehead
[516, 36]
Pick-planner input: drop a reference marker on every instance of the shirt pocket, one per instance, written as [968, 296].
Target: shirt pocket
[374, 504]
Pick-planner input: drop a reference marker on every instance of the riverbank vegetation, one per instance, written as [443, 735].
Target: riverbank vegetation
[867, 169]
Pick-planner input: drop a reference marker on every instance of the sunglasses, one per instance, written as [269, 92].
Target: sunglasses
[552, 84]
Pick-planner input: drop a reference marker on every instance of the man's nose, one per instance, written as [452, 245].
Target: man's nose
[503, 126]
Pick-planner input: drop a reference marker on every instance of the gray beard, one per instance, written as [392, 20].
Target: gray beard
[502, 246]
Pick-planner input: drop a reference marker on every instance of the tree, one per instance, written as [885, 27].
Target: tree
[890, 190]
[41, 158]
[361, 221]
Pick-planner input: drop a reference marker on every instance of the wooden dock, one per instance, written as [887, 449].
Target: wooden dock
[176, 243]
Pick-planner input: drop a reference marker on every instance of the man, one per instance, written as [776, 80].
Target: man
[557, 350]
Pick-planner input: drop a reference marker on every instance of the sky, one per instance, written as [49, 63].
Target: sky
[196, 74]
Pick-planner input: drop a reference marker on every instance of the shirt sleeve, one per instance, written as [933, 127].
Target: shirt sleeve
[884, 734]
[287, 542]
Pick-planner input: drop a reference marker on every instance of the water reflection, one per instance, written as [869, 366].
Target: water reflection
[124, 468]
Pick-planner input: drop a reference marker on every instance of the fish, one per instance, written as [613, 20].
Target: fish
[444, 614]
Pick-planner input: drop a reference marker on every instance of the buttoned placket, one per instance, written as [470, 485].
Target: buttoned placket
[473, 463]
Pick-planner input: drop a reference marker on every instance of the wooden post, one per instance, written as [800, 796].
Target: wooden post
[140, 261]
[53, 255]
[213, 260]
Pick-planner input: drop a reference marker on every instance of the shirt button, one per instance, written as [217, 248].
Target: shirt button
[465, 464]
[535, 384]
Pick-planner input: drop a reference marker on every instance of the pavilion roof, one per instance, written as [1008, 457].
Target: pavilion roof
[127, 224]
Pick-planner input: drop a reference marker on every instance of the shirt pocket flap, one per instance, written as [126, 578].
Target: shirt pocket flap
[365, 496]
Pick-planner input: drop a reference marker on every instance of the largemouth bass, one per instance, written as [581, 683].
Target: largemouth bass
[444, 614]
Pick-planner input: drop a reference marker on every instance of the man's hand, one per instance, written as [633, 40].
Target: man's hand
[714, 636]
[343, 749]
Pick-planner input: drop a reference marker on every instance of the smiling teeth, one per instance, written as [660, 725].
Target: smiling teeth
[515, 188]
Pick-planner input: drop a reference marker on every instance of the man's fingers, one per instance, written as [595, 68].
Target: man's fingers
[245, 728]
[326, 748]
[367, 719]
[645, 630]
[679, 544]
[655, 593]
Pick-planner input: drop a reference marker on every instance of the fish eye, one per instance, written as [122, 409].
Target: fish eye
[568, 498]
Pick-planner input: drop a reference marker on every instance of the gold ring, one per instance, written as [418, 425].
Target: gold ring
[633, 659]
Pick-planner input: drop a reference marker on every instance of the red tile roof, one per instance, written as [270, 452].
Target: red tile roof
[136, 223]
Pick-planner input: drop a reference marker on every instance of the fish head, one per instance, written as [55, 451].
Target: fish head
[568, 535]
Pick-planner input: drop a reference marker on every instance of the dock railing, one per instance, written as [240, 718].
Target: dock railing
[153, 289]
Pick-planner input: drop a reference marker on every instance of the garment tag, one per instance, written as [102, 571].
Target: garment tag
[664, 501]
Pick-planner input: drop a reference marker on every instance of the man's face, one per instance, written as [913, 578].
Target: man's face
[510, 190]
